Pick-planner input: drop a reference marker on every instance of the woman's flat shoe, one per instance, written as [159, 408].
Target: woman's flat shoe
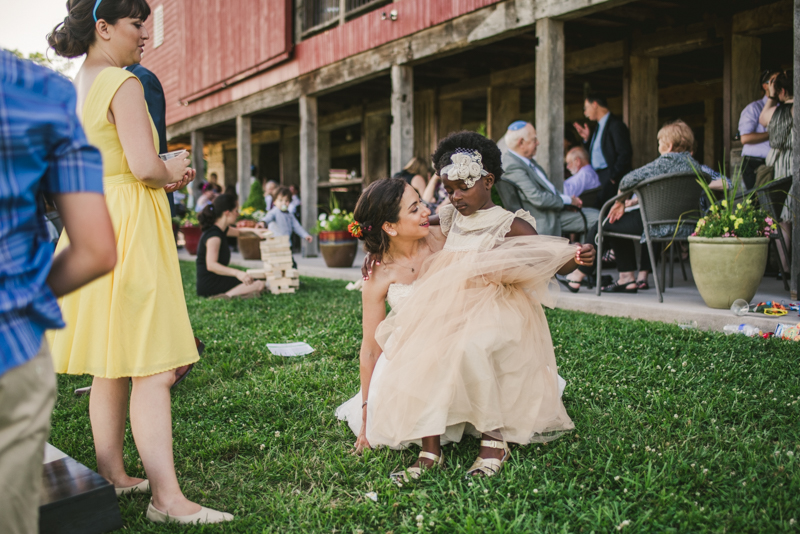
[413, 473]
[616, 287]
[183, 376]
[488, 467]
[205, 515]
[141, 487]
[568, 284]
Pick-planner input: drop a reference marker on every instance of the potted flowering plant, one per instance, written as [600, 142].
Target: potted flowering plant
[249, 243]
[337, 245]
[190, 228]
[728, 249]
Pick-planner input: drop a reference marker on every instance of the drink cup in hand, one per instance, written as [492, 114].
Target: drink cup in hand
[177, 165]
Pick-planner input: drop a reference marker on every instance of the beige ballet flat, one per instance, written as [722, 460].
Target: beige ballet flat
[205, 515]
[413, 473]
[489, 466]
[141, 487]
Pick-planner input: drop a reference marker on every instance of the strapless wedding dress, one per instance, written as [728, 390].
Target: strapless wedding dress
[351, 410]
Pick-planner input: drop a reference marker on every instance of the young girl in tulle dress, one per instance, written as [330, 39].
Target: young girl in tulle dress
[470, 350]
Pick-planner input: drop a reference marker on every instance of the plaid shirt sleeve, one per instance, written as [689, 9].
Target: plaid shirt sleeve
[74, 165]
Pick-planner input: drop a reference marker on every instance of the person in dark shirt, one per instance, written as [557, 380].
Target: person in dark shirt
[214, 277]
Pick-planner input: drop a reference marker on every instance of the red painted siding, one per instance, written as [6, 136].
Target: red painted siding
[207, 41]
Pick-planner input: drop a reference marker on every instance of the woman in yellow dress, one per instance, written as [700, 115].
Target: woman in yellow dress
[132, 323]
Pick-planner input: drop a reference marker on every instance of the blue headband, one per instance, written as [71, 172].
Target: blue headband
[517, 125]
[94, 11]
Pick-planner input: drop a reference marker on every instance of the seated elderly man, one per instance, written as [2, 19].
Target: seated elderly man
[541, 198]
[583, 176]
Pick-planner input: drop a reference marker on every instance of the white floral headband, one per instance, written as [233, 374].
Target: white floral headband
[467, 166]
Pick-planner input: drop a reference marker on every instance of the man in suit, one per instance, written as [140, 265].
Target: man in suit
[609, 147]
[540, 197]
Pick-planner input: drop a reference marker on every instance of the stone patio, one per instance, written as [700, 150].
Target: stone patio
[682, 303]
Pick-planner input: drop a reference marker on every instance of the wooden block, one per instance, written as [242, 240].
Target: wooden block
[278, 239]
[75, 499]
[257, 274]
[282, 291]
[290, 273]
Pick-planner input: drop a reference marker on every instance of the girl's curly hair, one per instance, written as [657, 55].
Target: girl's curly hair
[490, 154]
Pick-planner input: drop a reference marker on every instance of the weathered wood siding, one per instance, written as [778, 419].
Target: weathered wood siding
[209, 42]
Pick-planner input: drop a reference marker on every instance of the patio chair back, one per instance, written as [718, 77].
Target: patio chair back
[670, 198]
[509, 194]
[771, 198]
[589, 197]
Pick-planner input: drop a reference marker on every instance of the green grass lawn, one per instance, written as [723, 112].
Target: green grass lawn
[676, 431]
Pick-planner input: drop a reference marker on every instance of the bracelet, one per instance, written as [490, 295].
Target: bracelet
[363, 404]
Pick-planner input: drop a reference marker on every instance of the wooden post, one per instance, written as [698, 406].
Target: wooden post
[244, 157]
[402, 116]
[290, 158]
[324, 143]
[795, 269]
[197, 164]
[644, 109]
[745, 74]
[425, 125]
[449, 118]
[309, 175]
[550, 98]
[375, 147]
[626, 83]
[502, 110]
[709, 129]
[727, 93]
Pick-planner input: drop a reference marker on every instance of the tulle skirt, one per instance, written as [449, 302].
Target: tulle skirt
[471, 346]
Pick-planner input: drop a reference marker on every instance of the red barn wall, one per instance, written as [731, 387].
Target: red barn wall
[208, 41]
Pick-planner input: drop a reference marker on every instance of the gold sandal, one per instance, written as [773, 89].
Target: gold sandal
[489, 466]
[413, 473]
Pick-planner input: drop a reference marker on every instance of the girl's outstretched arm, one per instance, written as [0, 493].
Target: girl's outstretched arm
[583, 256]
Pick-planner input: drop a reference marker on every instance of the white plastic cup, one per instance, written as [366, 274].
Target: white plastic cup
[740, 307]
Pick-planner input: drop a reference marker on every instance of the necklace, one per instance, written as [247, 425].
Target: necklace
[394, 261]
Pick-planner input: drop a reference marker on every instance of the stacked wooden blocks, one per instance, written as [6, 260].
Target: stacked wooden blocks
[276, 253]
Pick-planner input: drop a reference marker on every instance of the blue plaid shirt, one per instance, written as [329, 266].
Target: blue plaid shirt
[43, 149]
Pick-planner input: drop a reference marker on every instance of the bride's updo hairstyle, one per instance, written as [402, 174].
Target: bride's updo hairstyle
[378, 204]
[491, 156]
[74, 36]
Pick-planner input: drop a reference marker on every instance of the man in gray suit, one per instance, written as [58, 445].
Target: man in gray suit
[540, 197]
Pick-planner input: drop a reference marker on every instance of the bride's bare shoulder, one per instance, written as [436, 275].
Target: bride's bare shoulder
[377, 286]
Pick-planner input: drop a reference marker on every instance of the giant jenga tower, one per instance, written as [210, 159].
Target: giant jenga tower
[276, 253]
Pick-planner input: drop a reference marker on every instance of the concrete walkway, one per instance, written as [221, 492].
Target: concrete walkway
[682, 303]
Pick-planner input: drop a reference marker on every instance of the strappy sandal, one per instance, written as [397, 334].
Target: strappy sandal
[489, 466]
[413, 473]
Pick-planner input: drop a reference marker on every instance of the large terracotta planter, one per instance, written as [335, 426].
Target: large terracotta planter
[249, 246]
[338, 248]
[727, 268]
[191, 238]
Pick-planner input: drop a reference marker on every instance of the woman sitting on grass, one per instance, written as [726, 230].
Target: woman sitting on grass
[394, 224]
[214, 278]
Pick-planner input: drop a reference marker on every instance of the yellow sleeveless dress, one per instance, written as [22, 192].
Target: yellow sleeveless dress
[133, 321]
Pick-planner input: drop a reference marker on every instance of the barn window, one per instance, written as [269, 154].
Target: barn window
[158, 26]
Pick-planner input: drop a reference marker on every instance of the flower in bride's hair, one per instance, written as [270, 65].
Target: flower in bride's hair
[355, 229]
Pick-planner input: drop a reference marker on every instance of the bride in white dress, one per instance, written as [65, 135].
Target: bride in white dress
[394, 224]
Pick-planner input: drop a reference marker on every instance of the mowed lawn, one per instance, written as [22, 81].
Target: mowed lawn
[676, 431]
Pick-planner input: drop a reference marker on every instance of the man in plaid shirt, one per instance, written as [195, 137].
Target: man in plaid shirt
[43, 151]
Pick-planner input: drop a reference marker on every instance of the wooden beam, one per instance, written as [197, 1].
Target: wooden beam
[309, 173]
[466, 90]
[266, 136]
[550, 98]
[197, 163]
[727, 93]
[600, 57]
[324, 159]
[765, 19]
[573, 9]
[341, 119]
[375, 143]
[348, 149]
[402, 116]
[689, 93]
[449, 118]
[709, 131]
[795, 216]
[244, 157]
[502, 110]
[672, 42]
[745, 74]
[425, 124]
[644, 109]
